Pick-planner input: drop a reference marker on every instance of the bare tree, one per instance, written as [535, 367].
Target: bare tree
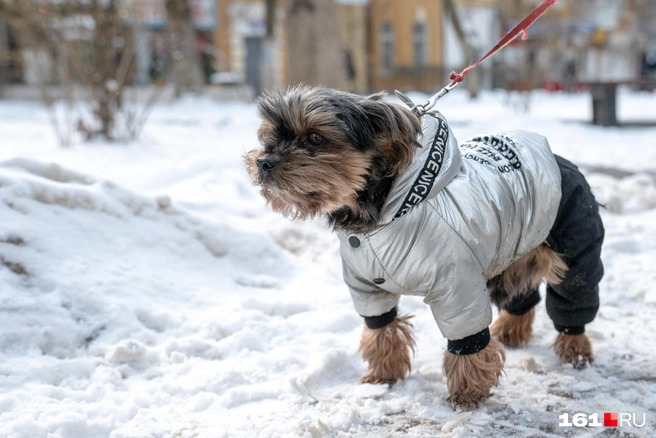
[524, 74]
[187, 71]
[474, 79]
[3, 50]
[111, 66]
[315, 53]
[86, 47]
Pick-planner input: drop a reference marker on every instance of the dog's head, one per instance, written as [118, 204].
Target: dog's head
[322, 146]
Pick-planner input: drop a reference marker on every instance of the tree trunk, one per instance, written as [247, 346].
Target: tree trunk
[474, 79]
[187, 71]
[4, 52]
[267, 61]
[315, 50]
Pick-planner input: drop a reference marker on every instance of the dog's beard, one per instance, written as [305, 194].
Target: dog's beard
[304, 186]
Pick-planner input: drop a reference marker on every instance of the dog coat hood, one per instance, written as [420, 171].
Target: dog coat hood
[456, 217]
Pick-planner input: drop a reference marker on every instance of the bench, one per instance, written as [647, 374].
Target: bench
[604, 98]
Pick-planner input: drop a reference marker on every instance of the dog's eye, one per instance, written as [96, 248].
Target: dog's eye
[314, 139]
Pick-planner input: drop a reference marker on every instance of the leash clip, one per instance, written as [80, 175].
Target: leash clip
[420, 110]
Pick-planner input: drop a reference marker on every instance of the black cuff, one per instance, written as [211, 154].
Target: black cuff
[578, 330]
[523, 303]
[471, 344]
[380, 321]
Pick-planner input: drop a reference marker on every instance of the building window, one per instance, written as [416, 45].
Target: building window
[387, 42]
[420, 44]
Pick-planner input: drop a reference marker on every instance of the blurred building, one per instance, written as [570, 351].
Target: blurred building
[241, 35]
[400, 44]
[406, 44]
[239, 43]
[414, 44]
[386, 44]
[152, 45]
[578, 41]
[617, 34]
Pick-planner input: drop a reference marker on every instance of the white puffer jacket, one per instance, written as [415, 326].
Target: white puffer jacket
[456, 217]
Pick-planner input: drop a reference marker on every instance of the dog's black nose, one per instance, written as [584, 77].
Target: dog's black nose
[266, 165]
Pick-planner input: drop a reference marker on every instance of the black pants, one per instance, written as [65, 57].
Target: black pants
[577, 235]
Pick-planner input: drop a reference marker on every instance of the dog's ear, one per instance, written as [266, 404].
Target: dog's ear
[396, 128]
[377, 96]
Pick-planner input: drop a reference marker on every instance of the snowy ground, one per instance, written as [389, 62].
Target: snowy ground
[147, 291]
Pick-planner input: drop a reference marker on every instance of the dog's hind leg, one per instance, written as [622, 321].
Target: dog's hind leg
[578, 235]
[525, 274]
[515, 291]
[514, 326]
[387, 349]
[574, 349]
[513, 330]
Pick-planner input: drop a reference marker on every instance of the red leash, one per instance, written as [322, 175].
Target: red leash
[456, 78]
[520, 29]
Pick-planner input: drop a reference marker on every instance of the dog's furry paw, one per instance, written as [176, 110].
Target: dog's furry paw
[574, 349]
[513, 330]
[470, 377]
[388, 351]
[370, 377]
[465, 401]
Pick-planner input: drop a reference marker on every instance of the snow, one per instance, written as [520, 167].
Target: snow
[147, 291]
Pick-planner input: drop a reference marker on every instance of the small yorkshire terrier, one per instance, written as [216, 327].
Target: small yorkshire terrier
[463, 226]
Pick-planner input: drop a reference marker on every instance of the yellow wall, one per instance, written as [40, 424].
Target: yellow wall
[403, 15]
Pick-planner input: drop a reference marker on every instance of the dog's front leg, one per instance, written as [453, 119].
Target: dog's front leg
[387, 348]
[472, 366]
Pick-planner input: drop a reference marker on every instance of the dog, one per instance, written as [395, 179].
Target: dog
[465, 226]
